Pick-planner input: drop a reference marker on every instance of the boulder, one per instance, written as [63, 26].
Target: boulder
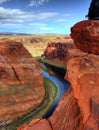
[86, 36]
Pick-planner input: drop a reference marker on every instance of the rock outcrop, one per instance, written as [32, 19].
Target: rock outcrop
[60, 53]
[83, 73]
[37, 124]
[86, 36]
[21, 81]
[55, 50]
[67, 115]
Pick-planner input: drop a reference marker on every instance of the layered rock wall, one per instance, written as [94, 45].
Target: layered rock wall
[21, 81]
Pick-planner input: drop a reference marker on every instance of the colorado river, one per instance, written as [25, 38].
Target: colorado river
[62, 86]
[55, 88]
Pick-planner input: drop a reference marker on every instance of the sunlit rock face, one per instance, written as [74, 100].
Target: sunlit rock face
[86, 36]
[67, 115]
[21, 80]
[83, 74]
[36, 124]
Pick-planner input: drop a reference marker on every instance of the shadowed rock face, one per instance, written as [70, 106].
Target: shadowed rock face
[55, 50]
[86, 36]
[60, 52]
[21, 80]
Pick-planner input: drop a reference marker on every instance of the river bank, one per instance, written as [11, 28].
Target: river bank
[38, 112]
[55, 88]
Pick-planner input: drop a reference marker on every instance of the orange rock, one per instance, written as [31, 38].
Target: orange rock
[56, 50]
[21, 80]
[79, 107]
[67, 115]
[86, 36]
[61, 53]
[37, 125]
[83, 73]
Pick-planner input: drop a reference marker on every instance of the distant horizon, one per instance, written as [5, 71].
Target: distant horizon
[33, 33]
[41, 16]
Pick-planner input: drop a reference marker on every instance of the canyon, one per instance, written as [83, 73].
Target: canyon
[79, 107]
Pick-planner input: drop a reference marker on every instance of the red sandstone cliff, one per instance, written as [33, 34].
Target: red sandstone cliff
[21, 81]
[83, 73]
[60, 52]
[55, 50]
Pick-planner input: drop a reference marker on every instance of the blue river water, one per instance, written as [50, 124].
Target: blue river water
[62, 86]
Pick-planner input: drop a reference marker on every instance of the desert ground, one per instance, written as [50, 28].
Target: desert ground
[37, 43]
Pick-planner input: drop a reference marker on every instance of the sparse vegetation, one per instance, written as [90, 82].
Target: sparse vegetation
[14, 89]
[49, 62]
[37, 48]
[40, 111]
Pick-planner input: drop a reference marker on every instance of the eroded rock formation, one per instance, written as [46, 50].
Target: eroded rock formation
[55, 50]
[83, 73]
[37, 124]
[86, 36]
[60, 53]
[21, 81]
